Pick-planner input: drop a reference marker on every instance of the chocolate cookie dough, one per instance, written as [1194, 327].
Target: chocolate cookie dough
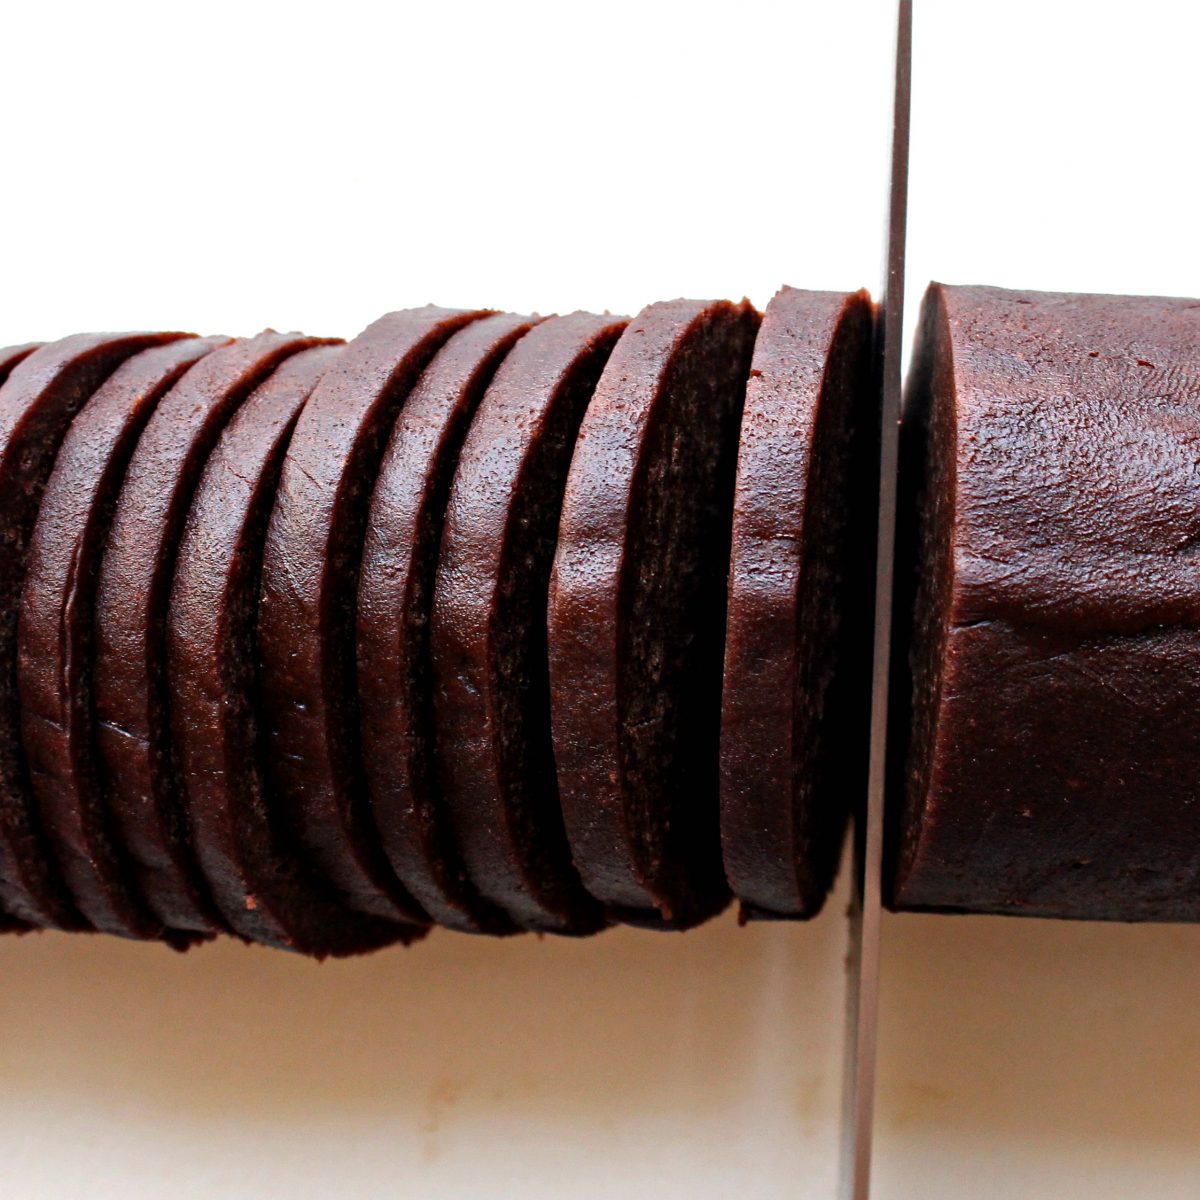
[1049, 614]
[257, 879]
[637, 612]
[796, 700]
[308, 615]
[56, 628]
[131, 699]
[42, 393]
[492, 686]
[395, 603]
[12, 356]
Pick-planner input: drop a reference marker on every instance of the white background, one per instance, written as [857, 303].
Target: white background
[229, 166]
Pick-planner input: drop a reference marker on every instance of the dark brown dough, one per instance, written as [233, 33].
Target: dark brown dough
[637, 612]
[309, 597]
[395, 602]
[12, 356]
[130, 686]
[56, 628]
[37, 401]
[1050, 606]
[491, 671]
[257, 880]
[796, 700]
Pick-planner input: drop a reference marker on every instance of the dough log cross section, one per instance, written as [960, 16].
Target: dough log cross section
[516, 623]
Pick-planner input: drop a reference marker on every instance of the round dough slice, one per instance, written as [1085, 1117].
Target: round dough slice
[13, 356]
[37, 401]
[129, 675]
[10, 356]
[492, 686]
[796, 697]
[309, 591]
[56, 634]
[637, 612]
[395, 602]
[256, 879]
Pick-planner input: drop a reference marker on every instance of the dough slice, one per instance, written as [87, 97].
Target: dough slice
[492, 686]
[309, 592]
[131, 699]
[796, 701]
[42, 393]
[55, 639]
[395, 602]
[637, 612]
[256, 878]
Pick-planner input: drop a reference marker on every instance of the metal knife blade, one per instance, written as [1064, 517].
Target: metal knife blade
[862, 994]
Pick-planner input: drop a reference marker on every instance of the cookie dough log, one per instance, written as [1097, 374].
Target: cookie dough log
[257, 879]
[55, 635]
[637, 612]
[130, 671]
[491, 670]
[43, 391]
[1051, 602]
[796, 697]
[395, 602]
[307, 619]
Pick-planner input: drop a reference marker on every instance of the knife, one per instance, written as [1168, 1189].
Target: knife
[862, 983]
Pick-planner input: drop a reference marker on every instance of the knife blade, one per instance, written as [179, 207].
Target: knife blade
[862, 983]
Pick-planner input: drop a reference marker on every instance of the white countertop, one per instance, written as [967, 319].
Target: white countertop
[1020, 1059]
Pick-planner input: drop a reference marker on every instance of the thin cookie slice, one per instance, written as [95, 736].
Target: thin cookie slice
[131, 699]
[491, 673]
[37, 401]
[796, 693]
[55, 636]
[395, 602]
[10, 356]
[256, 879]
[637, 613]
[308, 612]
